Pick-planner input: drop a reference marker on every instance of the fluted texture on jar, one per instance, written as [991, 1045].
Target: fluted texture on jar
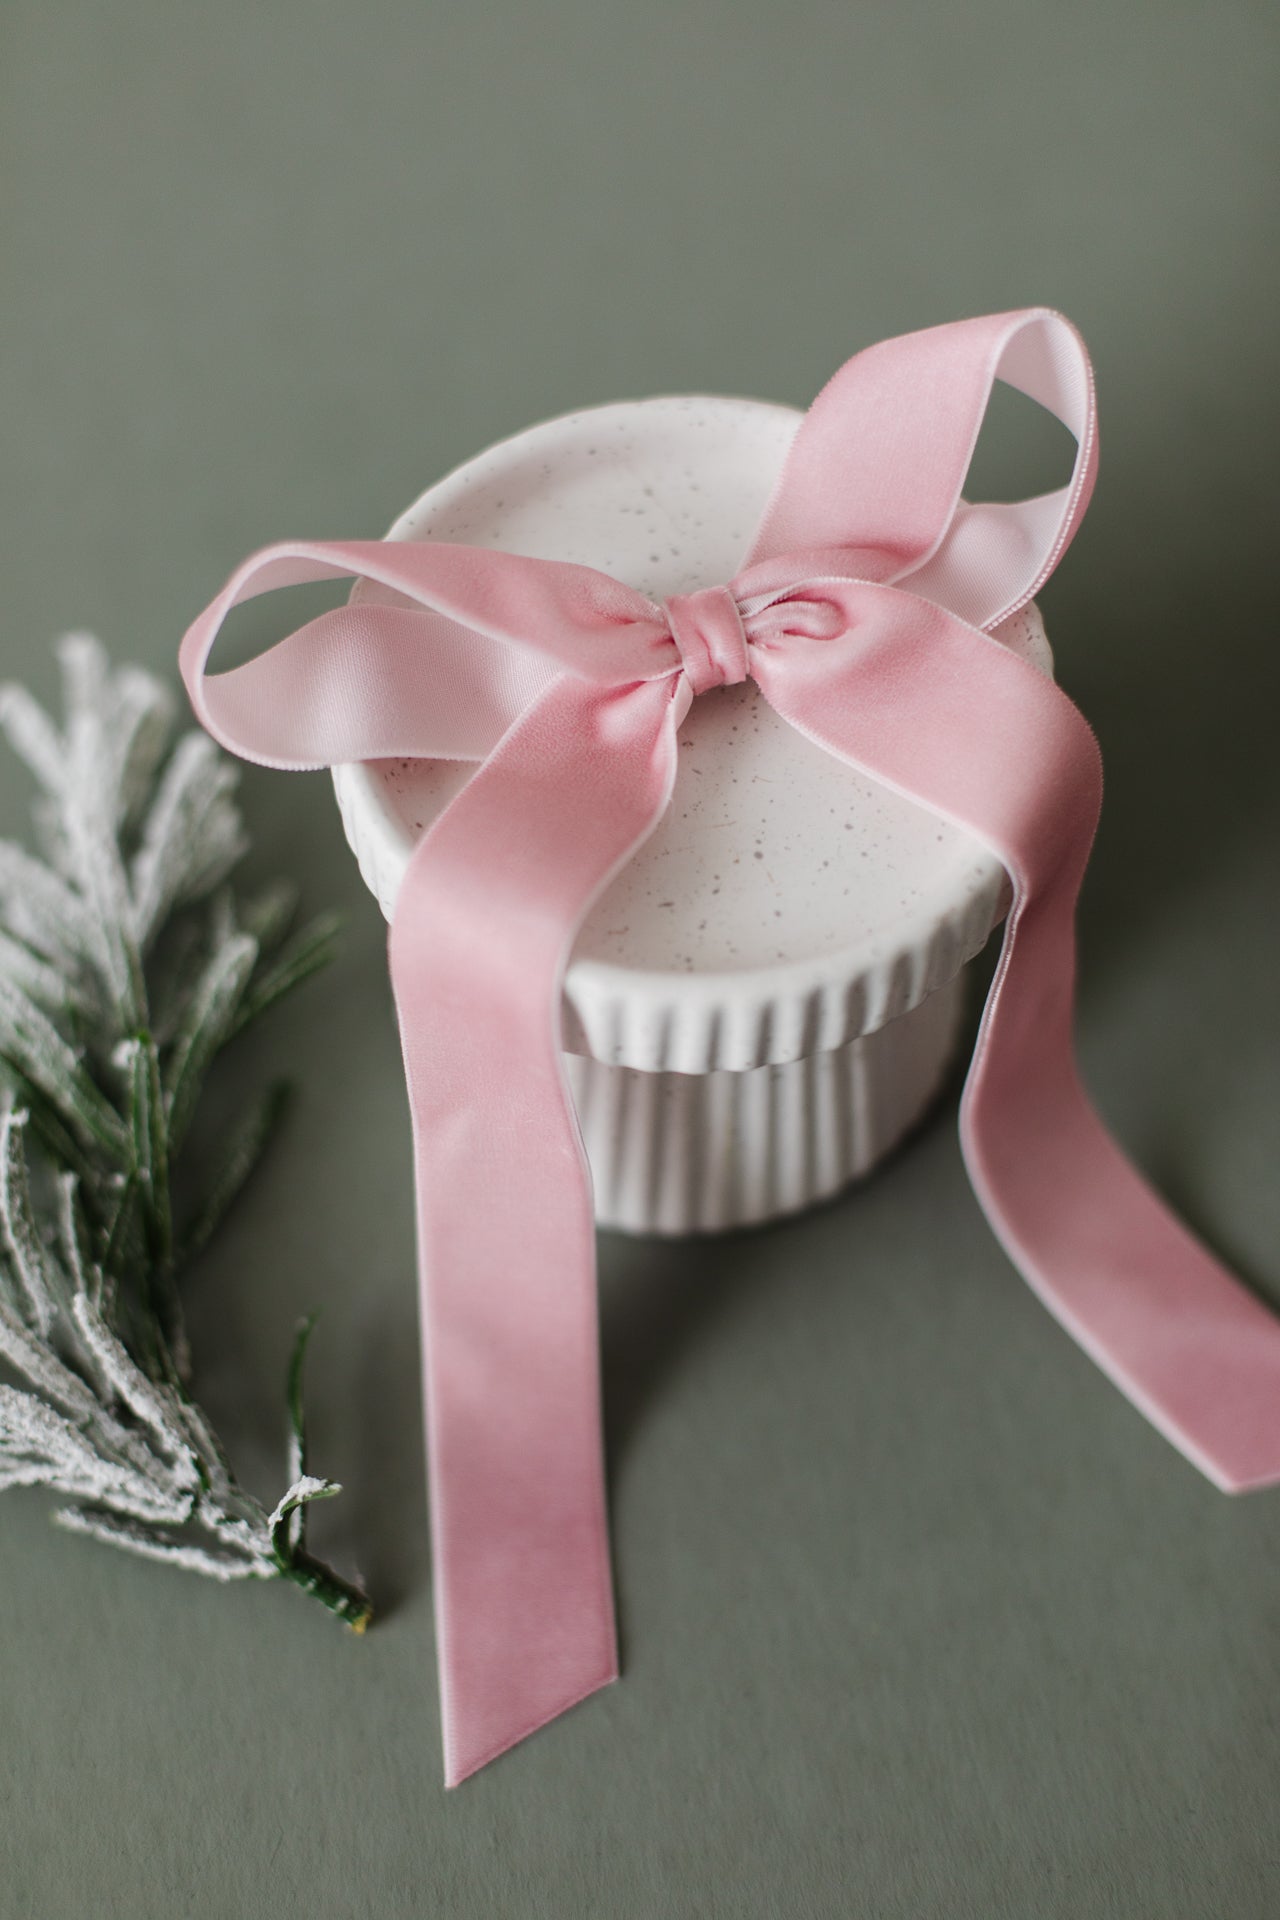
[678, 1153]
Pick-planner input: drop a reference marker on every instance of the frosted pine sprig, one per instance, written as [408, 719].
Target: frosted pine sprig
[127, 964]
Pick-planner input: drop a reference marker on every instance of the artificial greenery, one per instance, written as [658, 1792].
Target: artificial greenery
[127, 963]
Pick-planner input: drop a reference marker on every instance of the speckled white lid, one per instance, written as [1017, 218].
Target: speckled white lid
[785, 904]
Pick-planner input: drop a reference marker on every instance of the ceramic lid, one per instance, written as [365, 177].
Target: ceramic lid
[785, 904]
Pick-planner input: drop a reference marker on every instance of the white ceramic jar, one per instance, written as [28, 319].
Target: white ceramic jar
[765, 1000]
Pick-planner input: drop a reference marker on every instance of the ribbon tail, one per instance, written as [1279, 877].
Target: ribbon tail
[1194, 1350]
[950, 718]
[482, 931]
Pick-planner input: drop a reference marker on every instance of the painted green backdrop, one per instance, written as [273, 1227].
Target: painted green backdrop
[919, 1618]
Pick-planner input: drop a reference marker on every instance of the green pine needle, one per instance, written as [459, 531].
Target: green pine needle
[127, 964]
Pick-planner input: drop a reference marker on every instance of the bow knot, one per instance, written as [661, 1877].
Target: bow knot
[710, 638]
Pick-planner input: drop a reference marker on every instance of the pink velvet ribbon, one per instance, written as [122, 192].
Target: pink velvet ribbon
[865, 612]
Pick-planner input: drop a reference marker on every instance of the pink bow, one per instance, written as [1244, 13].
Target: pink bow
[865, 615]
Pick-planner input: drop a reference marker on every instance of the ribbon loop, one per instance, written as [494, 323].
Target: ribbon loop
[708, 632]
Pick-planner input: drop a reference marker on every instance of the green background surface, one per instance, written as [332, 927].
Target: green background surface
[919, 1618]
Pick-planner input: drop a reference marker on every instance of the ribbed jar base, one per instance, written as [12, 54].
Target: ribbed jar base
[678, 1153]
